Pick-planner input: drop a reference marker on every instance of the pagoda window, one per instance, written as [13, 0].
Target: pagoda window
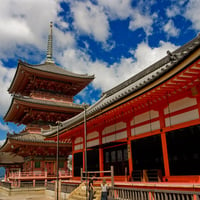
[37, 164]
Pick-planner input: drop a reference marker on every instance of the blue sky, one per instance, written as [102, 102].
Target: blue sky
[112, 39]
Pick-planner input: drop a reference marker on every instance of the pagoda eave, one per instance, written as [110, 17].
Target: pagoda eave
[28, 148]
[22, 108]
[31, 74]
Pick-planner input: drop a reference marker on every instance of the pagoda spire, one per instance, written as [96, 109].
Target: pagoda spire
[49, 58]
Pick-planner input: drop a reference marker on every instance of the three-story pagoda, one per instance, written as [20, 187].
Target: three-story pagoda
[42, 96]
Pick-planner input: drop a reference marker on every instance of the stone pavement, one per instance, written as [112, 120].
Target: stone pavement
[25, 197]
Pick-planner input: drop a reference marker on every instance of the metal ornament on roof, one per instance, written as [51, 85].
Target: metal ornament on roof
[49, 58]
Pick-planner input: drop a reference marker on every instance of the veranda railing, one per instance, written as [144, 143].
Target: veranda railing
[121, 193]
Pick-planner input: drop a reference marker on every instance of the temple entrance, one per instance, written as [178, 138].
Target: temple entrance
[78, 163]
[183, 151]
[50, 168]
[147, 153]
[93, 160]
[117, 157]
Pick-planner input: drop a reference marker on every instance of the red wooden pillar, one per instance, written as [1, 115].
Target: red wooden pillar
[84, 149]
[32, 165]
[198, 103]
[129, 150]
[19, 182]
[72, 157]
[101, 158]
[6, 172]
[164, 144]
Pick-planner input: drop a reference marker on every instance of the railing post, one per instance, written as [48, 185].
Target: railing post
[81, 175]
[59, 188]
[19, 183]
[45, 174]
[112, 175]
[144, 175]
[125, 174]
[33, 182]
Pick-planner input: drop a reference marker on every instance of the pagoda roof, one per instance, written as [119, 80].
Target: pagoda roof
[138, 84]
[27, 73]
[9, 158]
[20, 103]
[15, 143]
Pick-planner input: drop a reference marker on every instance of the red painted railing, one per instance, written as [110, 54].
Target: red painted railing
[37, 175]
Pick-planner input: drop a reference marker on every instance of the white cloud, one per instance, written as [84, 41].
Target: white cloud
[116, 9]
[128, 67]
[153, 54]
[106, 76]
[170, 29]
[192, 13]
[90, 19]
[62, 40]
[2, 142]
[140, 20]
[173, 11]
[122, 9]
[6, 77]
[25, 22]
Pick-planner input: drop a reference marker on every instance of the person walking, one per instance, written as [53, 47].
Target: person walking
[104, 190]
[91, 189]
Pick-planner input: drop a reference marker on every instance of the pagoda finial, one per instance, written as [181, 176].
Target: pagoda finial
[49, 58]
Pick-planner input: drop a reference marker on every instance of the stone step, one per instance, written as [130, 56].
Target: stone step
[80, 193]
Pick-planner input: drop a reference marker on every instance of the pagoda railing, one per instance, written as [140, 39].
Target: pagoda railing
[40, 174]
[30, 174]
[18, 178]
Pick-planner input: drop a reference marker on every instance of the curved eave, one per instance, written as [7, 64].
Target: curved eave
[18, 141]
[48, 71]
[18, 103]
[30, 142]
[7, 158]
[55, 69]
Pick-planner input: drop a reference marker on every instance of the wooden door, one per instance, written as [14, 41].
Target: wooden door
[50, 168]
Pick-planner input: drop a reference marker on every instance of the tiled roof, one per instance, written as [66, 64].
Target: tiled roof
[10, 158]
[28, 137]
[53, 68]
[31, 137]
[46, 102]
[136, 82]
